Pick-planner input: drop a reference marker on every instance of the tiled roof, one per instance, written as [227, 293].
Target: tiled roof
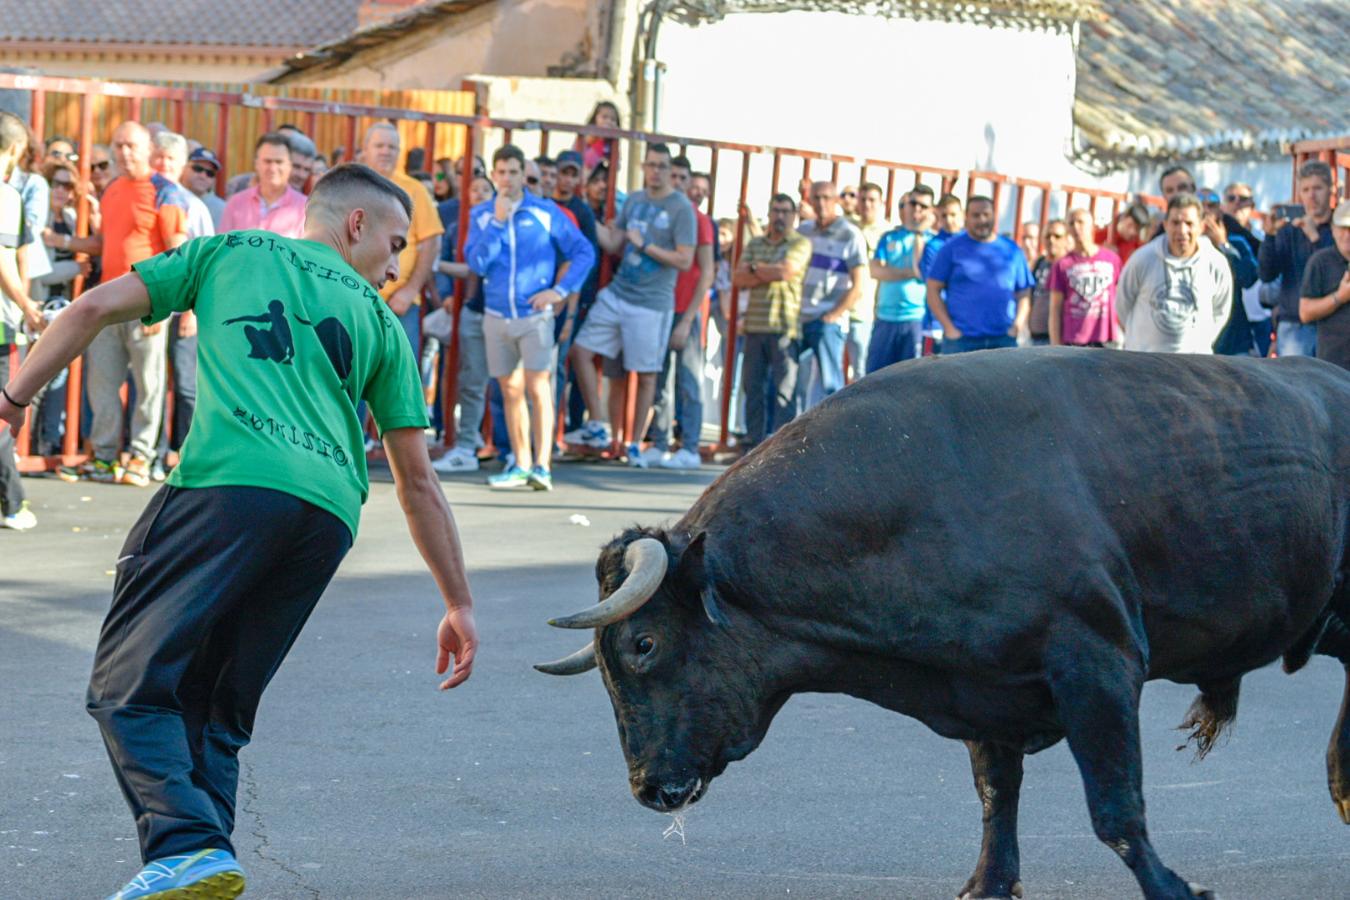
[1162, 79]
[236, 23]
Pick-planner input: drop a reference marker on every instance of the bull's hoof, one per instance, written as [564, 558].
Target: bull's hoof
[1202, 892]
[1343, 807]
[990, 892]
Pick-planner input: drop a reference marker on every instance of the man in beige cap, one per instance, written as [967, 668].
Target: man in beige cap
[1325, 293]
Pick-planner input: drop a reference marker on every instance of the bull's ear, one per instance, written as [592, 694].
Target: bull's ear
[691, 573]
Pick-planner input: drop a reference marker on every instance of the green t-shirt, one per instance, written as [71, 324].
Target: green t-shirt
[290, 337]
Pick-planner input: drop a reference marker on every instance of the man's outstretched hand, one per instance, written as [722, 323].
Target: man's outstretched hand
[457, 637]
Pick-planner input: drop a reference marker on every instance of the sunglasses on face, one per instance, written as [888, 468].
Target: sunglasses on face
[101, 166]
[63, 184]
[848, 194]
[204, 170]
[1238, 198]
[532, 180]
[917, 205]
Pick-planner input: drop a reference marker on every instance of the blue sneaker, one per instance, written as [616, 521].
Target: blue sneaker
[204, 875]
[541, 479]
[510, 478]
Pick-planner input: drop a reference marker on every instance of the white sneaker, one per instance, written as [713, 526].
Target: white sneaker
[684, 458]
[457, 460]
[21, 520]
[644, 459]
[592, 434]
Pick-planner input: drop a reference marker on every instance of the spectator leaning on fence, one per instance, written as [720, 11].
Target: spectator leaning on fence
[17, 310]
[515, 242]
[833, 285]
[897, 334]
[271, 204]
[1056, 245]
[1325, 292]
[1083, 288]
[987, 285]
[683, 402]
[1285, 255]
[1174, 294]
[655, 233]
[144, 214]
[771, 270]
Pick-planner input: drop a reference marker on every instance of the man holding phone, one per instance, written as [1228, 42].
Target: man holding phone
[1285, 255]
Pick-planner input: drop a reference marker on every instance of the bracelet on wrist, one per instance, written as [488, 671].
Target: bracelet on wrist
[6, 394]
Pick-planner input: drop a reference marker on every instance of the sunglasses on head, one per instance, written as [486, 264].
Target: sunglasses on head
[100, 166]
[204, 170]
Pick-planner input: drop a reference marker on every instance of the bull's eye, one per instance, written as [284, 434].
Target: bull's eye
[645, 645]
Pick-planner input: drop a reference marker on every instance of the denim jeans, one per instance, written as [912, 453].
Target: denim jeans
[11, 489]
[1295, 339]
[472, 384]
[823, 343]
[683, 403]
[967, 344]
[894, 342]
[858, 344]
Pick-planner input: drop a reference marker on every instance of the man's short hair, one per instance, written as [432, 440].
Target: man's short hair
[658, 147]
[945, 199]
[509, 151]
[682, 162]
[1185, 200]
[1071, 214]
[273, 139]
[784, 198]
[346, 186]
[1174, 170]
[926, 191]
[12, 131]
[978, 198]
[169, 142]
[545, 162]
[1315, 168]
[389, 126]
[870, 186]
[704, 175]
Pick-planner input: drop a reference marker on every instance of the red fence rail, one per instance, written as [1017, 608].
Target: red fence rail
[758, 165]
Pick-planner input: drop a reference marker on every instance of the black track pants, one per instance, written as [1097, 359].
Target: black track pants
[213, 586]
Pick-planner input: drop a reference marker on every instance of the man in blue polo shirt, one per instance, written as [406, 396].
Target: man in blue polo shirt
[987, 284]
[898, 332]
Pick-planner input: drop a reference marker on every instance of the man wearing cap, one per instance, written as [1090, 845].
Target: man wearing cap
[200, 179]
[567, 194]
[1325, 292]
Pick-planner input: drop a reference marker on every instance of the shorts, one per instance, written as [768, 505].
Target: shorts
[616, 327]
[514, 342]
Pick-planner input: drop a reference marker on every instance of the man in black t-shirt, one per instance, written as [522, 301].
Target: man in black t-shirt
[1325, 293]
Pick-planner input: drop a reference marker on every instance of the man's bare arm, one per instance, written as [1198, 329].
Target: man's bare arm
[433, 530]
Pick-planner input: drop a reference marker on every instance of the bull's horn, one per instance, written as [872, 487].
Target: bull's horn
[581, 661]
[646, 561]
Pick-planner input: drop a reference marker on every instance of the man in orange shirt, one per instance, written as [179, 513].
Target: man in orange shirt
[144, 213]
[382, 152]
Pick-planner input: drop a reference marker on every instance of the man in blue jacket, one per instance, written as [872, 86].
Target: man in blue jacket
[516, 243]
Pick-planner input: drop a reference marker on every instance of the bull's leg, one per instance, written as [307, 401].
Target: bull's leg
[1096, 693]
[998, 780]
[1335, 642]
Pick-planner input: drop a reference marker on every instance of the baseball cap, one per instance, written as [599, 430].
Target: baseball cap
[1341, 217]
[570, 158]
[203, 155]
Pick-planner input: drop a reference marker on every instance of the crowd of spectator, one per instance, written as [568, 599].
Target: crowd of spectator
[831, 288]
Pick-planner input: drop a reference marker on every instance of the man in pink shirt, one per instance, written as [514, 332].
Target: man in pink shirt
[271, 204]
[1083, 289]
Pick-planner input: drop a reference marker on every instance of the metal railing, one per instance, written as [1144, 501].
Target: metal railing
[1028, 199]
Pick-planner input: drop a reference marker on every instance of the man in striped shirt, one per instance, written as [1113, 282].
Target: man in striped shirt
[772, 268]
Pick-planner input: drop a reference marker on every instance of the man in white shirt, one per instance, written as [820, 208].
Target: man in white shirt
[1174, 294]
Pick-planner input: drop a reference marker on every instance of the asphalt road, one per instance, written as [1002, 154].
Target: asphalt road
[365, 782]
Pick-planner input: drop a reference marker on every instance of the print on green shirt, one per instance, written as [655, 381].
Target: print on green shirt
[290, 338]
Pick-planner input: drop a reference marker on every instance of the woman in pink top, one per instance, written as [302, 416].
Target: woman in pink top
[595, 150]
[1083, 289]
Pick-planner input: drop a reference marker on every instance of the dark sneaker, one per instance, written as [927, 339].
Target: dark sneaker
[204, 875]
[94, 470]
[541, 479]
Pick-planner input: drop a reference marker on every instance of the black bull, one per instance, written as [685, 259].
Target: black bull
[1005, 546]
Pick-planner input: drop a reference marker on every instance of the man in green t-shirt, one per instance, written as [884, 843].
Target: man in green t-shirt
[219, 574]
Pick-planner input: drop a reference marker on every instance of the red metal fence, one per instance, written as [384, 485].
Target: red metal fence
[733, 168]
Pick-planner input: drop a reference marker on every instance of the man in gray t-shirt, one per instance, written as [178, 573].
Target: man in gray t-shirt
[655, 233]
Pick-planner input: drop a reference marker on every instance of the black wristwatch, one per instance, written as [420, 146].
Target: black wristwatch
[753, 268]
